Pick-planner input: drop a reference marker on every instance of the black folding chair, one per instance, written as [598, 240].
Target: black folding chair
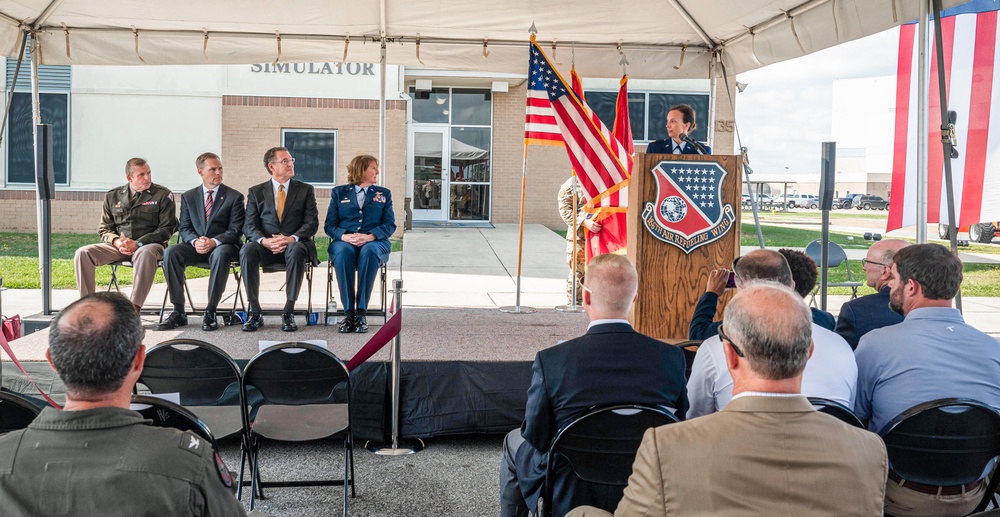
[16, 412]
[837, 410]
[229, 319]
[279, 267]
[945, 442]
[205, 377]
[690, 349]
[593, 456]
[306, 395]
[383, 309]
[164, 413]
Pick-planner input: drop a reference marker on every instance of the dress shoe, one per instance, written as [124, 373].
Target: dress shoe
[255, 320]
[209, 322]
[360, 325]
[288, 322]
[347, 326]
[176, 319]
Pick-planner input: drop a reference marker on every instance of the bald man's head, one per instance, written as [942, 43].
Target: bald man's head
[878, 261]
[93, 343]
[763, 265]
[773, 326]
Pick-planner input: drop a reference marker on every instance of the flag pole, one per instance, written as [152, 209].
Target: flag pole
[572, 306]
[517, 308]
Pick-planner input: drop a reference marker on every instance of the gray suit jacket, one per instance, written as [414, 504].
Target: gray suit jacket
[758, 456]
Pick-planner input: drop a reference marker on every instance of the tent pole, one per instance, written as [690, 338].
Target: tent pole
[381, 115]
[44, 204]
[923, 74]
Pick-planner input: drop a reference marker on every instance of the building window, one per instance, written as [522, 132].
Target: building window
[648, 112]
[54, 104]
[315, 153]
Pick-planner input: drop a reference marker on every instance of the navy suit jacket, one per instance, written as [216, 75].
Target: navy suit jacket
[345, 216]
[822, 318]
[666, 147]
[301, 217]
[225, 223]
[610, 364]
[863, 315]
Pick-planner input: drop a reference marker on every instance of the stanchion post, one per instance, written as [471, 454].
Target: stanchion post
[397, 446]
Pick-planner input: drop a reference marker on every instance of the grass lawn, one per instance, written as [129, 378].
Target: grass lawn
[19, 264]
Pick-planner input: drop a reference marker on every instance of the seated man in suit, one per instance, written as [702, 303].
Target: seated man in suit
[680, 123]
[804, 276]
[281, 220]
[932, 354]
[95, 456]
[359, 223]
[610, 364]
[211, 228]
[769, 452]
[862, 315]
[831, 372]
[136, 223]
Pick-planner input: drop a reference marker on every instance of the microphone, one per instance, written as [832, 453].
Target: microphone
[698, 147]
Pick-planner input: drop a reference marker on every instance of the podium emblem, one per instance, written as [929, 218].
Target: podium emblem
[688, 211]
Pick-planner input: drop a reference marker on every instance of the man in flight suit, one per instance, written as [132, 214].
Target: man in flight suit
[97, 457]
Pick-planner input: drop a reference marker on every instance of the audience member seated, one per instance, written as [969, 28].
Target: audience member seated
[804, 275]
[932, 354]
[281, 221]
[610, 364]
[831, 372]
[862, 315]
[211, 228]
[359, 223]
[769, 452]
[136, 222]
[96, 457]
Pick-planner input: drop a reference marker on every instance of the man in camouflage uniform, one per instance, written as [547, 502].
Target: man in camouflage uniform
[582, 221]
[137, 221]
[97, 457]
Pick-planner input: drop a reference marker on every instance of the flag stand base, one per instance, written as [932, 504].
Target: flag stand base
[569, 308]
[400, 448]
[518, 309]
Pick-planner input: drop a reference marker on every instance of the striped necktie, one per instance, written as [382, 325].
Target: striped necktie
[208, 205]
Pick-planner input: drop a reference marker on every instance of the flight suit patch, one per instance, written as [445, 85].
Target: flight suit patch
[224, 475]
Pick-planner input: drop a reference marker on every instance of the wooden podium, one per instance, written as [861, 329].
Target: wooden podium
[673, 265]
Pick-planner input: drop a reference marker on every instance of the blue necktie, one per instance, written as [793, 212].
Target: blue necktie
[361, 198]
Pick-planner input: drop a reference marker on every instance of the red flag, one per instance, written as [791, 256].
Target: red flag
[610, 208]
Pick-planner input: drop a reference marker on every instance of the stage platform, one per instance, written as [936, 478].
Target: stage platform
[466, 365]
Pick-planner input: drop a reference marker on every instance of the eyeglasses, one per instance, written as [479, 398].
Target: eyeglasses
[286, 161]
[865, 262]
[725, 338]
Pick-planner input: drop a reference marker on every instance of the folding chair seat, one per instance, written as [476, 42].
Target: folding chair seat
[305, 395]
[945, 443]
[231, 318]
[836, 410]
[590, 458]
[16, 412]
[383, 309]
[205, 377]
[835, 257]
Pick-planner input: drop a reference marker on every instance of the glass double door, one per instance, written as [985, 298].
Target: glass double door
[450, 177]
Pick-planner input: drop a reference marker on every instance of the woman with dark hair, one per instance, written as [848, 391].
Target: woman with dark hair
[680, 121]
[359, 223]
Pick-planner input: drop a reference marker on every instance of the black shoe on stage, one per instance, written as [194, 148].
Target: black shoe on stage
[360, 325]
[288, 322]
[255, 320]
[346, 326]
[176, 319]
[209, 322]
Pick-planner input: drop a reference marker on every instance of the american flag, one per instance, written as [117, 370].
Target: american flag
[593, 152]
[970, 36]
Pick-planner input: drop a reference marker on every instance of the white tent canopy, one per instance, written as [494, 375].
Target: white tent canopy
[661, 39]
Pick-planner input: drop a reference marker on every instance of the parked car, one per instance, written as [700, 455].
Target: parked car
[867, 202]
[800, 200]
[763, 200]
[842, 202]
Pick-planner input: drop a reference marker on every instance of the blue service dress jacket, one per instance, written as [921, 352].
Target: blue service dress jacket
[666, 147]
[344, 215]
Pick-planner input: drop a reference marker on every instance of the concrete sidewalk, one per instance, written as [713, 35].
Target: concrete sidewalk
[461, 267]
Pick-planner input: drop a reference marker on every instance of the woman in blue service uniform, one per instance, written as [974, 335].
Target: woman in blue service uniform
[359, 223]
[680, 121]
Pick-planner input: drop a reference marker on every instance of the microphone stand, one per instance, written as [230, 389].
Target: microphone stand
[697, 146]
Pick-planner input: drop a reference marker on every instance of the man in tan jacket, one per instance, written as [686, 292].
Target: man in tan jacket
[768, 452]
